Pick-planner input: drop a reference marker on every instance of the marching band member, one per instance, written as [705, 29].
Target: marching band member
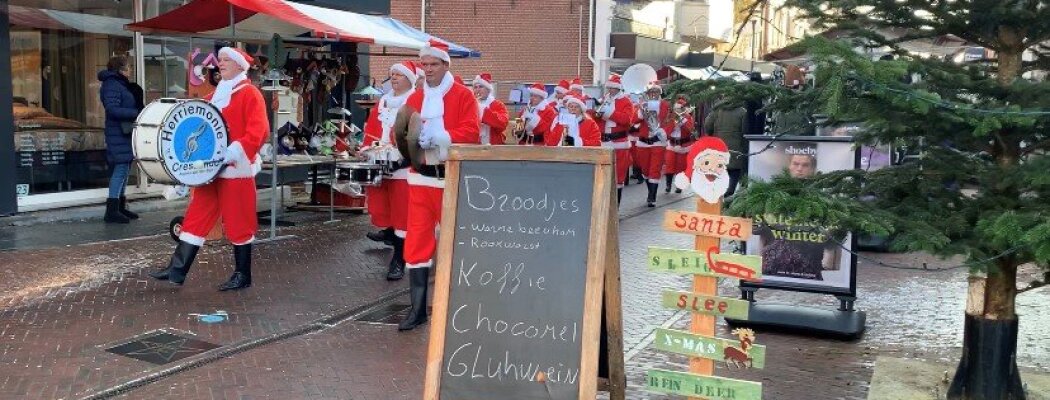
[555, 101]
[388, 202]
[449, 113]
[494, 118]
[678, 142]
[232, 195]
[616, 114]
[576, 87]
[655, 116]
[577, 129]
[537, 118]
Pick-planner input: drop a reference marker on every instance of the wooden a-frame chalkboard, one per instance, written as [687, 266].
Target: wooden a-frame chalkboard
[525, 303]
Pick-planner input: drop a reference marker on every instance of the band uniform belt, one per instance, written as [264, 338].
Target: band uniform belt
[433, 171]
[679, 142]
[608, 137]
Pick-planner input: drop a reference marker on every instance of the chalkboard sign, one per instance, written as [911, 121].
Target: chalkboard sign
[519, 289]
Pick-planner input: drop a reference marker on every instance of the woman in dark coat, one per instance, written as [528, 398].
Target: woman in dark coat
[123, 100]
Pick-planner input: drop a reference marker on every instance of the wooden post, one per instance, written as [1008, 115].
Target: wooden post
[703, 324]
[613, 307]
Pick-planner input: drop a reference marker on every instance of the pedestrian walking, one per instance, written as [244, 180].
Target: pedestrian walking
[123, 101]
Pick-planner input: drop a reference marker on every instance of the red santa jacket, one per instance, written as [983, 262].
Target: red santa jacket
[545, 114]
[460, 114]
[248, 127]
[680, 140]
[663, 116]
[495, 118]
[590, 134]
[621, 117]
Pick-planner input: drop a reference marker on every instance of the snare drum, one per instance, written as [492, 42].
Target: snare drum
[385, 157]
[361, 173]
[181, 142]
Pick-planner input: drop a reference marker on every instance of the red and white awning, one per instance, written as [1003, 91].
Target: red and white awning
[259, 20]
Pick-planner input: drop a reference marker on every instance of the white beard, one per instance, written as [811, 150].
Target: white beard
[710, 191]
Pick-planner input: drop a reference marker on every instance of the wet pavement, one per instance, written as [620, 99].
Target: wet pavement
[296, 333]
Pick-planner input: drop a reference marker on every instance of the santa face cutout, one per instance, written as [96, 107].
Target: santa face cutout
[706, 164]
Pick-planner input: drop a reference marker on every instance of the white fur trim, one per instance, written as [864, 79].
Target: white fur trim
[400, 174]
[238, 165]
[657, 180]
[537, 92]
[426, 264]
[236, 57]
[482, 82]
[191, 239]
[610, 85]
[577, 101]
[561, 90]
[403, 70]
[622, 145]
[576, 87]
[249, 241]
[681, 181]
[400, 233]
[435, 52]
[417, 179]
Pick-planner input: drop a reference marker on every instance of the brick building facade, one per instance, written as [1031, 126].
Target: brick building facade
[519, 40]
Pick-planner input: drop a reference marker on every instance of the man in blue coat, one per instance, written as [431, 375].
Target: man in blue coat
[123, 101]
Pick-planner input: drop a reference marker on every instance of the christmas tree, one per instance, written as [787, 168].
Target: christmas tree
[980, 188]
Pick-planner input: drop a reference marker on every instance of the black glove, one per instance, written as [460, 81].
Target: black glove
[570, 141]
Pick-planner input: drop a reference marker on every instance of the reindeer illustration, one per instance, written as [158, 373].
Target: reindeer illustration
[739, 357]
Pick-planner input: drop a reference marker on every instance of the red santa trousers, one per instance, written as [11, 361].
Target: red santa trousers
[388, 205]
[622, 153]
[675, 157]
[233, 199]
[651, 161]
[424, 215]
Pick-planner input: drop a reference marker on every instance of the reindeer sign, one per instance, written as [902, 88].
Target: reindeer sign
[706, 263]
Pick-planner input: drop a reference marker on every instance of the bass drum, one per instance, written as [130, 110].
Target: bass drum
[181, 142]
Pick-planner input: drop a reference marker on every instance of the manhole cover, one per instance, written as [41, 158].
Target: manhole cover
[161, 348]
[386, 314]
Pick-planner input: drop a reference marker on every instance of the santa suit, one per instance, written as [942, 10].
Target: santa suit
[651, 143]
[494, 120]
[678, 142]
[449, 113]
[232, 195]
[538, 121]
[584, 131]
[615, 124]
[388, 203]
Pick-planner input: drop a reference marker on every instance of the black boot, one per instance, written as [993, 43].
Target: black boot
[418, 278]
[113, 215]
[638, 175]
[180, 264]
[385, 236]
[396, 270]
[669, 178]
[124, 209]
[619, 196]
[242, 273]
[651, 199]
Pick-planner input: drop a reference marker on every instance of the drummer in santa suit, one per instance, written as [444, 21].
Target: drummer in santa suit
[678, 141]
[494, 116]
[577, 129]
[232, 195]
[449, 115]
[615, 116]
[388, 202]
[652, 138]
[538, 118]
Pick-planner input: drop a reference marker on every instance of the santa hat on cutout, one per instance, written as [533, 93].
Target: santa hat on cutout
[537, 89]
[238, 56]
[406, 68]
[614, 82]
[563, 87]
[703, 145]
[654, 85]
[578, 100]
[576, 84]
[484, 80]
[436, 48]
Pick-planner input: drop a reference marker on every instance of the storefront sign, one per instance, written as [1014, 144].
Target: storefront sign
[22, 189]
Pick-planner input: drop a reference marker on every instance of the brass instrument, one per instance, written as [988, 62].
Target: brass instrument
[517, 129]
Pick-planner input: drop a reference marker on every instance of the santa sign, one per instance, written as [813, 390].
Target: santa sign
[705, 169]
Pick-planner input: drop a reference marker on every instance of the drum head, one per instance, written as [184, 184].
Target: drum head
[193, 141]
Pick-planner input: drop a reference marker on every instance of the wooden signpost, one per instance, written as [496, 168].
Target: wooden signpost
[527, 290]
[706, 264]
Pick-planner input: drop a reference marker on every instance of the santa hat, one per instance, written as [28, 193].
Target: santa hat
[614, 82]
[436, 48]
[238, 56]
[420, 73]
[654, 85]
[563, 87]
[406, 68]
[703, 145]
[537, 89]
[576, 84]
[458, 79]
[484, 80]
[578, 100]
